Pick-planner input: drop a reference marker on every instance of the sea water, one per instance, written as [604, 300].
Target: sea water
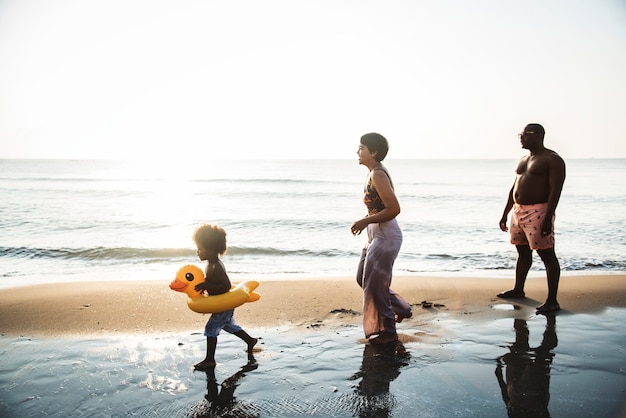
[74, 220]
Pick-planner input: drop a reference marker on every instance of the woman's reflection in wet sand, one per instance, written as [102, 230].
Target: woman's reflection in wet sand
[381, 365]
[526, 391]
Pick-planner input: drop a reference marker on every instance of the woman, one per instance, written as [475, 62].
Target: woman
[382, 307]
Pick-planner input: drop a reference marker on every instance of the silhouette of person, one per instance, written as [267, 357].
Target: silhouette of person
[381, 365]
[526, 391]
[222, 401]
[382, 307]
[533, 199]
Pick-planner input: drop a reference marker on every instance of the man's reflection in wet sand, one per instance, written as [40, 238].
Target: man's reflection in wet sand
[526, 391]
[381, 365]
[222, 401]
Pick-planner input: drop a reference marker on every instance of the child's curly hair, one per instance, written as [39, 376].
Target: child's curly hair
[210, 237]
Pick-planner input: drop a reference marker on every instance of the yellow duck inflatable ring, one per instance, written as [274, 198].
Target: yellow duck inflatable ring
[190, 275]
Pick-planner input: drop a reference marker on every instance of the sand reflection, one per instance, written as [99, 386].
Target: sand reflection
[221, 398]
[381, 365]
[525, 382]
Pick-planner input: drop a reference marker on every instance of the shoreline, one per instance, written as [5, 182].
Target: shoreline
[150, 307]
[120, 348]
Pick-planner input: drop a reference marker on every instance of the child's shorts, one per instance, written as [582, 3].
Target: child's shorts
[221, 321]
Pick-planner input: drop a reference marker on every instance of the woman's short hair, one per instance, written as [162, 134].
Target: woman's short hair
[376, 143]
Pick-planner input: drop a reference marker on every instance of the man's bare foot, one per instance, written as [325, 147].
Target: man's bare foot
[512, 294]
[400, 318]
[384, 338]
[204, 365]
[548, 308]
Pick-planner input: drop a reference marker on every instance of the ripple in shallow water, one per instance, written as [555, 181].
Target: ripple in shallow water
[451, 368]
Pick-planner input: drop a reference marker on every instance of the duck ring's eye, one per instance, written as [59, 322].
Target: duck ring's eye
[189, 277]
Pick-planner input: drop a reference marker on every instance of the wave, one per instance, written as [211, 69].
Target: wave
[153, 179]
[155, 254]
[120, 253]
[444, 262]
[124, 180]
[267, 261]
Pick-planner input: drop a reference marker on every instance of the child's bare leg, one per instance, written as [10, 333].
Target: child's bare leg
[247, 339]
[209, 360]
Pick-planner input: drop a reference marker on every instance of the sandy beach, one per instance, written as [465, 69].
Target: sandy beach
[152, 307]
[112, 341]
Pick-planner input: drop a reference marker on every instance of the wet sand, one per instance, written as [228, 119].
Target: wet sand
[105, 349]
[151, 307]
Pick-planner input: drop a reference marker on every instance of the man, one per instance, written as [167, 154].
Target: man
[533, 198]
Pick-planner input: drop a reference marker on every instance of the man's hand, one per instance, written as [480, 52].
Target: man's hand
[503, 226]
[546, 227]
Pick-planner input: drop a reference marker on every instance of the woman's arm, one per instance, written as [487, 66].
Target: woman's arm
[382, 185]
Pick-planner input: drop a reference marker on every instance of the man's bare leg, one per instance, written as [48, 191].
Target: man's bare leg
[553, 274]
[524, 262]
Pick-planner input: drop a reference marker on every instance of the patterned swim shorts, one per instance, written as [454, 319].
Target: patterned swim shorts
[526, 226]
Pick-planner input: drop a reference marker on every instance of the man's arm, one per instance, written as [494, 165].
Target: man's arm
[556, 179]
[507, 209]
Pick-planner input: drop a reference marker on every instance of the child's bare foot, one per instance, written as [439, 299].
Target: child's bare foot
[251, 365]
[251, 345]
[205, 364]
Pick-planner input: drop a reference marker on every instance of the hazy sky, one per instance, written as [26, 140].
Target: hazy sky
[259, 79]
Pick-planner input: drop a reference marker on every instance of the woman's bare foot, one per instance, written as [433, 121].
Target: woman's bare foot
[384, 338]
[205, 364]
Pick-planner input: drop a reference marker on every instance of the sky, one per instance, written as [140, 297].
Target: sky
[200, 80]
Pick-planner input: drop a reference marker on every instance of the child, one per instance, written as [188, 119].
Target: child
[211, 243]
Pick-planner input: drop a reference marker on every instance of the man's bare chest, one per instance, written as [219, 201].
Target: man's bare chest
[532, 167]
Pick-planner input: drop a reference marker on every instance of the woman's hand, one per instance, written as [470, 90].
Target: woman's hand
[359, 226]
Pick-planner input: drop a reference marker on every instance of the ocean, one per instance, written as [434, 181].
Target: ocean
[86, 220]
